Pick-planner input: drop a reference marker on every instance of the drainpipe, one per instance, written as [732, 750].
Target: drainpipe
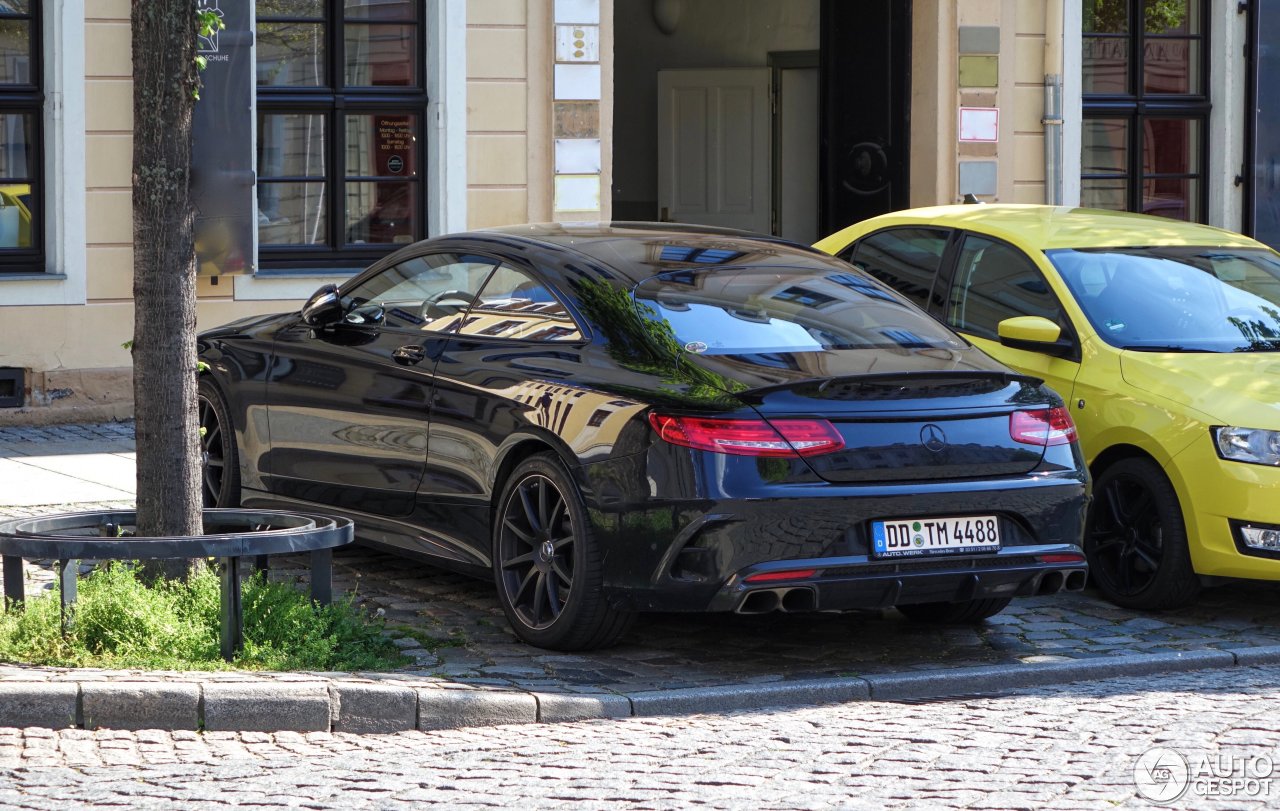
[1053, 102]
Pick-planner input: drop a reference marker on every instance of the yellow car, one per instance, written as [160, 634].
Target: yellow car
[1163, 337]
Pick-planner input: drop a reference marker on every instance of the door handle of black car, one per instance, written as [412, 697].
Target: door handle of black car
[409, 355]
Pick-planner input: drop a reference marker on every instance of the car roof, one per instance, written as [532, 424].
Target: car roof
[1049, 227]
[640, 250]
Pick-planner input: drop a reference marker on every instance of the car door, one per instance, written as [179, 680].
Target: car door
[907, 259]
[510, 365]
[349, 403]
[993, 280]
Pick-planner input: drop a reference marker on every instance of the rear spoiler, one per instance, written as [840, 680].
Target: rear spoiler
[884, 377]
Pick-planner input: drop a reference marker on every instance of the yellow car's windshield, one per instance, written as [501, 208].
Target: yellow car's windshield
[1177, 299]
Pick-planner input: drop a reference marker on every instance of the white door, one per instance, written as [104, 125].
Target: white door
[713, 147]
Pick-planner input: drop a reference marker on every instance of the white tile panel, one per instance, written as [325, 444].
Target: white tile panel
[577, 193]
[577, 156]
[577, 82]
[578, 11]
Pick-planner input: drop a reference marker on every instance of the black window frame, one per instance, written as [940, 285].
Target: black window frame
[29, 99]
[934, 303]
[334, 101]
[952, 284]
[1136, 106]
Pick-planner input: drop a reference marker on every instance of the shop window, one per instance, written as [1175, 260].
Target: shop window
[21, 153]
[341, 144]
[1146, 106]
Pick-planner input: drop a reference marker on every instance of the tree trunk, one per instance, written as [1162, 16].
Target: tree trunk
[164, 272]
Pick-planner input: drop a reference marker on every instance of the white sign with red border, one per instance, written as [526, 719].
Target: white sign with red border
[979, 124]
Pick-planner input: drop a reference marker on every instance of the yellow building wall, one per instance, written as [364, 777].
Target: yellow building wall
[939, 91]
[508, 149]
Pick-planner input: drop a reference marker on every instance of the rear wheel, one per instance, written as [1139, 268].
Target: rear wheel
[546, 563]
[220, 467]
[1136, 541]
[963, 613]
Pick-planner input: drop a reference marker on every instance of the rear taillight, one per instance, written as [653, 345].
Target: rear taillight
[1042, 426]
[773, 577]
[1062, 558]
[749, 437]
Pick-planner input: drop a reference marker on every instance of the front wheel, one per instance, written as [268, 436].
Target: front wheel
[546, 563]
[1136, 540]
[963, 613]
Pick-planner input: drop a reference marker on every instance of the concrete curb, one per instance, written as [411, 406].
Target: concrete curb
[322, 705]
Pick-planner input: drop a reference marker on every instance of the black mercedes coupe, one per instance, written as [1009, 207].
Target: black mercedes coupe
[609, 419]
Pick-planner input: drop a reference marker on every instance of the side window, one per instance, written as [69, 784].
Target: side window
[906, 259]
[513, 304]
[429, 292]
[995, 281]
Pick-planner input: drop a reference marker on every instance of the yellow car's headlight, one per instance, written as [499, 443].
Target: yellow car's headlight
[1257, 446]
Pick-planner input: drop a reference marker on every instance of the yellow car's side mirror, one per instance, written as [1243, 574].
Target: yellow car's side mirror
[1035, 334]
[1029, 329]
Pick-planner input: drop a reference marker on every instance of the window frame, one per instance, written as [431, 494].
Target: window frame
[29, 100]
[1136, 106]
[954, 251]
[498, 259]
[335, 101]
[934, 306]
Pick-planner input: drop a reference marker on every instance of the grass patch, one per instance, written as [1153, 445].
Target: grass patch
[456, 639]
[120, 622]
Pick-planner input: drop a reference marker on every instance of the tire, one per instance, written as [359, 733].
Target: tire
[220, 468]
[965, 613]
[1136, 541]
[546, 564]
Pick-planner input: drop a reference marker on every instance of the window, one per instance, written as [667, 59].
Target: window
[906, 259]
[995, 281]
[341, 146]
[1146, 107]
[731, 311]
[429, 292]
[515, 305]
[21, 156]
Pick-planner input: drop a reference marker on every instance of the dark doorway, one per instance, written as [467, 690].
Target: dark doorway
[1262, 143]
[865, 87]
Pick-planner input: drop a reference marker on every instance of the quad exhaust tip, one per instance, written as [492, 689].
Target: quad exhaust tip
[1069, 580]
[787, 600]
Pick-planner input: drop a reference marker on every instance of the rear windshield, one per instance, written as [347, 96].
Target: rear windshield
[726, 311]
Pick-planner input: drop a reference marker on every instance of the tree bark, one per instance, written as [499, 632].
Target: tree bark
[164, 274]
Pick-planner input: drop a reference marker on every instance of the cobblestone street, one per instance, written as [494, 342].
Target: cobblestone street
[454, 629]
[1067, 747]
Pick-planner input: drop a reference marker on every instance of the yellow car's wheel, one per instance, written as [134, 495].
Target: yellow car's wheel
[1136, 541]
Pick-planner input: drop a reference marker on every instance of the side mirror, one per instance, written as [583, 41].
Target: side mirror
[1034, 334]
[324, 306]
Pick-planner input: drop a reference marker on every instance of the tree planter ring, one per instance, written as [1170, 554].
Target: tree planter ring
[230, 534]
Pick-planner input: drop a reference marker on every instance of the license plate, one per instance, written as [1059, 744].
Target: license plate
[934, 536]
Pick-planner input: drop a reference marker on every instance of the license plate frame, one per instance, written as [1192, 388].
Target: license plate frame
[924, 537]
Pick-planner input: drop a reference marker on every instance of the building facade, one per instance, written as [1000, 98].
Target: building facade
[361, 125]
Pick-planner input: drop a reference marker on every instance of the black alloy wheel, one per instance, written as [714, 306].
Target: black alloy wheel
[220, 468]
[1136, 540]
[546, 563]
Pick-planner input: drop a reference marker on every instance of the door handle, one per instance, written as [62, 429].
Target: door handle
[409, 355]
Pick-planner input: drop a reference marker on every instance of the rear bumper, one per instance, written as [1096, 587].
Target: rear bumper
[842, 584]
[680, 538]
